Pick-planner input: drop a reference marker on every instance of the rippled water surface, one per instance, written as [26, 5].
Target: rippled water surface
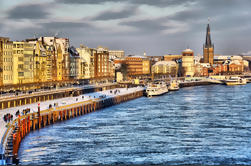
[196, 125]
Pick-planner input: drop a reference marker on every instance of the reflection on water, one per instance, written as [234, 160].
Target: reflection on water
[198, 125]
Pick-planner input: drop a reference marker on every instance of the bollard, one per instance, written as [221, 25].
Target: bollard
[65, 114]
[82, 110]
[39, 121]
[44, 120]
[85, 109]
[49, 119]
[29, 127]
[61, 115]
[33, 124]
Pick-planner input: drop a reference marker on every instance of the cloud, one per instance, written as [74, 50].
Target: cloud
[157, 26]
[188, 15]
[146, 25]
[86, 1]
[65, 25]
[247, 53]
[118, 14]
[158, 3]
[29, 11]
[161, 3]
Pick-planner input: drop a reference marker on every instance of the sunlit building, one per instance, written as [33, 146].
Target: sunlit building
[87, 61]
[101, 64]
[171, 57]
[116, 54]
[188, 67]
[23, 56]
[165, 68]
[6, 61]
[146, 66]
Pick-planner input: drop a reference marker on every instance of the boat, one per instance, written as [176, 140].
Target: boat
[236, 81]
[156, 89]
[174, 85]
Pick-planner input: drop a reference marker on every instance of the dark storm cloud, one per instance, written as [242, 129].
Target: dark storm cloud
[159, 3]
[111, 15]
[87, 1]
[29, 11]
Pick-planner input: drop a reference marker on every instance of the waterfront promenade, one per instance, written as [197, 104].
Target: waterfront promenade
[13, 100]
[63, 102]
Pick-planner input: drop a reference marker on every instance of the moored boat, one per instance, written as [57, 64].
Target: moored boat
[174, 85]
[156, 89]
[236, 81]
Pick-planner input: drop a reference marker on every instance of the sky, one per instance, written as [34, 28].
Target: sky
[156, 27]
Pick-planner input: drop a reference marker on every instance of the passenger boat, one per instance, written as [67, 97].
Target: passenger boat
[174, 85]
[156, 89]
[236, 81]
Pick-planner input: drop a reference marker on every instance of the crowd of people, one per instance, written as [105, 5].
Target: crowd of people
[115, 92]
[9, 117]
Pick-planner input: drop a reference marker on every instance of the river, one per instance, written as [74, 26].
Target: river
[195, 125]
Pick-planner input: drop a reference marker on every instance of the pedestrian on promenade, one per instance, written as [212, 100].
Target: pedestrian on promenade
[17, 113]
[5, 118]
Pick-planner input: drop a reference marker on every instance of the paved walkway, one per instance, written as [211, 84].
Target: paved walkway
[40, 91]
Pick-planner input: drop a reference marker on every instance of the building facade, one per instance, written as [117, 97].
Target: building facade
[6, 61]
[116, 54]
[23, 55]
[87, 61]
[166, 68]
[188, 68]
[146, 66]
[171, 57]
[101, 64]
[134, 65]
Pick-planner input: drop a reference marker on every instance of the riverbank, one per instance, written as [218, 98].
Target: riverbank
[65, 108]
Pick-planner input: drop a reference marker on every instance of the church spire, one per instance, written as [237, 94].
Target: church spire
[208, 43]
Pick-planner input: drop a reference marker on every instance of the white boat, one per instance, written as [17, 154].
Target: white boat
[156, 89]
[174, 85]
[236, 81]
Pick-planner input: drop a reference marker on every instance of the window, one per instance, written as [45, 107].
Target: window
[20, 59]
[20, 74]
[20, 66]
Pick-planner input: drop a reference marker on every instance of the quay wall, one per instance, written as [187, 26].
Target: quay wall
[35, 121]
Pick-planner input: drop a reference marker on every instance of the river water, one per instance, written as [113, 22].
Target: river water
[195, 125]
